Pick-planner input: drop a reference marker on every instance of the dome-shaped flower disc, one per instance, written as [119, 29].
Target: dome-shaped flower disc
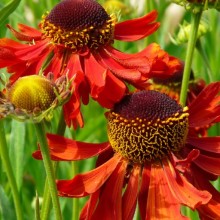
[78, 24]
[32, 92]
[147, 125]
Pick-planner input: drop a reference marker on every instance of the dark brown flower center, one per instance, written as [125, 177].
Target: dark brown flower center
[146, 126]
[78, 24]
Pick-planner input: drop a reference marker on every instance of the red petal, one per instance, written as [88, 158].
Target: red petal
[7, 58]
[90, 206]
[210, 210]
[209, 164]
[88, 183]
[183, 191]
[184, 164]
[72, 113]
[113, 91]
[33, 51]
[27, 33]
[96, 75]
[211, 144]
[33, 32]
[129, 199]
[11, 44]
[110, 206]
[26, 68]
[81, 90]
[143, 193]
[54, 66]
[161, 203]
[129, 67]
[62, 148]
[205, 108]
[136, 29]
[105, 87]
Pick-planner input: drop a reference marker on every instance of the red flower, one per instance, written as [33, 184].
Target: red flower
[154, 158]
[172, 85]
[76, 39]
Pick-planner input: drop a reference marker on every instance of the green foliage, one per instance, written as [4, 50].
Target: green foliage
[21, 137]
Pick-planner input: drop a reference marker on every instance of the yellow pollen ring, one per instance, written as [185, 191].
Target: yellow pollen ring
[76, 40]
[139, 140]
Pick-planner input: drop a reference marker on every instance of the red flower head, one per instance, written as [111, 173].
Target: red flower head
[153, 158]
[76, 38]
[172, 85]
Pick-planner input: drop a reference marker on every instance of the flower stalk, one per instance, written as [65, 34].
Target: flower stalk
[189, 55]
[9, 171]
[46, 197]
[48, 168]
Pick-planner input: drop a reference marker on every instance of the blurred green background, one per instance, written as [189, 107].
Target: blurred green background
[21, 139]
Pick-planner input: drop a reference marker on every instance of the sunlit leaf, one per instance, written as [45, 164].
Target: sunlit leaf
[7, 10]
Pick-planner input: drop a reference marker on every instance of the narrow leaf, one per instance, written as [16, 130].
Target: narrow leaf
[17, 143]
[7, 10]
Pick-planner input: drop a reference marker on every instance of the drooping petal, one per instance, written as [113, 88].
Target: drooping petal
[65, 149]
[7, 58]
[161, 203]
[72, 113]
[11, 44]
[162, 64]
[143, 192]
[87, 183]
[105, 87]
[150, 62]
[113, 91]
[129, 199]
[110, 201]
[183, 164]
[210, 210]
[54, 66]
[81, 90]
[205, 109]
[209, 164]
[33, 51]
[96, 75]
[89, 207]
[124, 66]
[8, 48]
[135, 29]
[182, 190]
[26, 68]
[210, 144]
[27, 33]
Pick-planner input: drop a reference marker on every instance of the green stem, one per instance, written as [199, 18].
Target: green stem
[189, 55]
[9, 171]
[75, 214]
[45, 211]
[41, 134]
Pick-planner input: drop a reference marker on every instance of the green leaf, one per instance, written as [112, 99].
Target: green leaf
[6, 210]
[3, 29]
[7, 10]
[17, 150]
